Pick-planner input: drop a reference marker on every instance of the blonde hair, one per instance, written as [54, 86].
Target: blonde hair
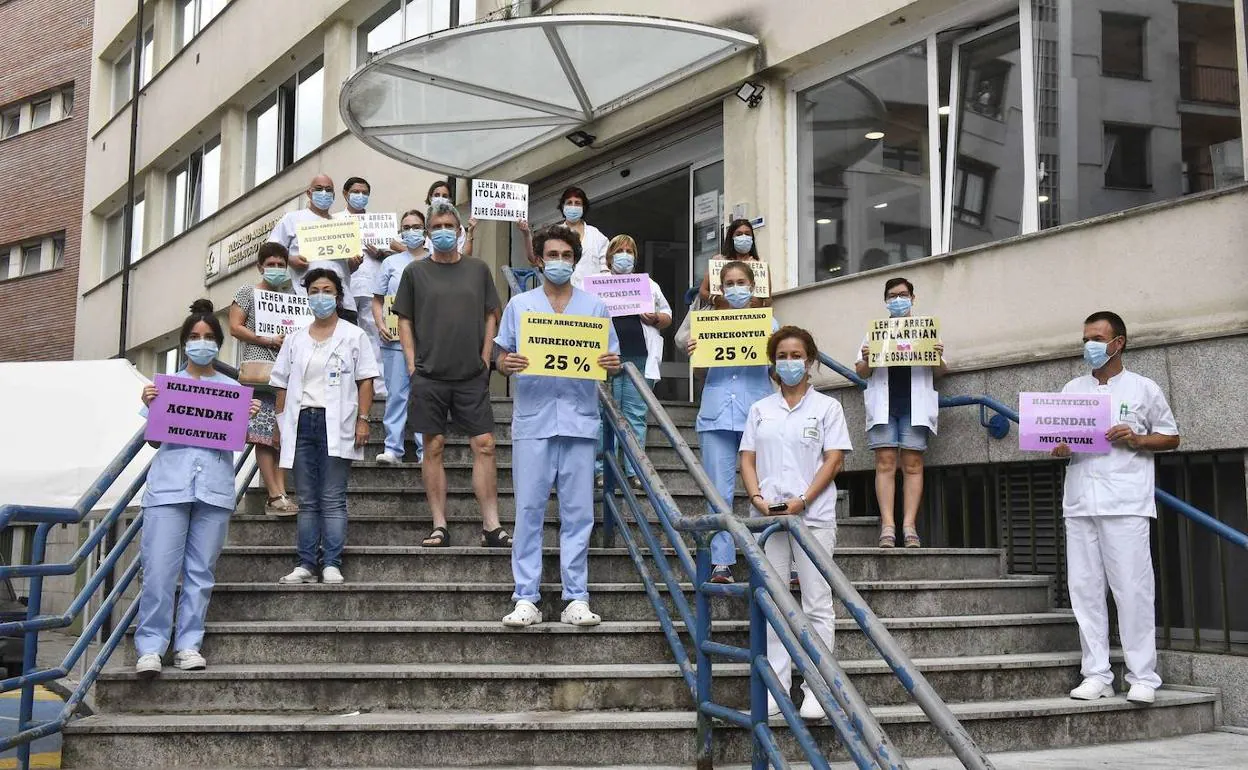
[619, 242]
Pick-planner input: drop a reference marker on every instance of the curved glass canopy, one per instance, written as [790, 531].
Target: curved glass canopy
[466, 99]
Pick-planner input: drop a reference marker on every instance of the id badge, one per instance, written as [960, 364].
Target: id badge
[334, 375]
[811, 430]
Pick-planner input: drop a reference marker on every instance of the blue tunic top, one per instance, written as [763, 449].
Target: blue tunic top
[185, 474]
[730, 391]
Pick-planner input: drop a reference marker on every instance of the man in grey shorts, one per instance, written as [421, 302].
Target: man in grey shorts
[448, 311]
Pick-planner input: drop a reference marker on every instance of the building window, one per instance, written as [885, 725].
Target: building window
[41, 113]
[33, 256]
[167, 361]
[114, 239]
[36, 112]
[287, 124]
[971, 185]
[1126, 157]
[191, 18]
[401, 20]
[58, 250]
[122, 77]
[10, 122]
[149, 57]
[4, 264]
[67, 102]
[193, 188]
[1122, 45]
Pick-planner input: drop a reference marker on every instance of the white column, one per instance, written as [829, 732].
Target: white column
[233, 154]
[340, 59]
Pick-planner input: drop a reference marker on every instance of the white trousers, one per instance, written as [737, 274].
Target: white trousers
[1113, 550]
[366, 322]
[782, 552]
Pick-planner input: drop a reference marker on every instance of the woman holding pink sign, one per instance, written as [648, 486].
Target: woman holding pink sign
[186, 511]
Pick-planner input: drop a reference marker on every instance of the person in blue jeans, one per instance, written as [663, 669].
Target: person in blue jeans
[187, 504]
[324, 379]
[727, 396]
[393, 364]
[902, 407]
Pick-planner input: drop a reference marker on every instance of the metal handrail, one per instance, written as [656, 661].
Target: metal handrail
[37, 570]
[771, 603]
[998, 427]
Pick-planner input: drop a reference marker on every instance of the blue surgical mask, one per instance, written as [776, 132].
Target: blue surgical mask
[413, 239]
[322, 305]
[791, 371]
[358, 201]
[439, 199]
[899, 306]
[573, 213]
[1096, 354]
[444, 240]
[201, 352]
[738, 296]
[276, 276]
[743, 243]
[322, 199]
[557, 272]
[622, 262]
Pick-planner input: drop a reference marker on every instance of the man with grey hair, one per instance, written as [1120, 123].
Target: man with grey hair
[448, 311]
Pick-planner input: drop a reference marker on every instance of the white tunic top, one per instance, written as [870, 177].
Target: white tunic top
[287, 234]
[789, 446]
[1122, 482]
[593, 255]
[924, 400]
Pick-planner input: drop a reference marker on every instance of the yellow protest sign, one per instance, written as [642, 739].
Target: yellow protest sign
[762, 278]
[330, 239]
[903, 342]
[730, 337]
[559, 345]
[392, 320]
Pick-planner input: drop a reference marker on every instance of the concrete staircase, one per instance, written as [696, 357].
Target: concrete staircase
[407, 665]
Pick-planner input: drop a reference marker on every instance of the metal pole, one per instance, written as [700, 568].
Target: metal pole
[758, 649]
[127, 211]
[701, 634]
[30, 645]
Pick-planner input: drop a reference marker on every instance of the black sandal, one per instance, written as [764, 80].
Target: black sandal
[497, 538]
[438, 538]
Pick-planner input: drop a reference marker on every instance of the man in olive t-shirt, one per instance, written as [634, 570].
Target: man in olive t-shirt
[448, 312]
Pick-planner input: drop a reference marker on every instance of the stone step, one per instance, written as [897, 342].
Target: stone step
[492, 688]
[660, 452]
[332, 641]
[445, 738]
[679, 411]
[502, 432]
[365, 475]
[415, 564]
[393, 519]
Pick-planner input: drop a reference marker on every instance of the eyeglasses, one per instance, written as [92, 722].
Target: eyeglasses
[407, 228]
[899, 295]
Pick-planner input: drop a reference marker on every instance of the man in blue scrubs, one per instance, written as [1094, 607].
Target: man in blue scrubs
[554, 430]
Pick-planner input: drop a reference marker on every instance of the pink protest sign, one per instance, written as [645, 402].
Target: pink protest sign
[1078, 420]
[212, 415]
[623, 294]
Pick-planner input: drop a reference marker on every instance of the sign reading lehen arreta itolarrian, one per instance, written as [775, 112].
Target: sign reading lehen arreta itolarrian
[213, 415]
[507, 201]
[559, 345]
[903, 342]
[280, 313]
[730, 337]
[1078, 420]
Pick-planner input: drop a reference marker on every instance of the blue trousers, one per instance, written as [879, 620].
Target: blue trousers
[537, 464]
[719, 457]
[321, 481]
[399, 388]
[183, 541]
[634, 408]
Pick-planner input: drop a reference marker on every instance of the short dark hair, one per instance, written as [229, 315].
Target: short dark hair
[201, 312]
[893, 283]
[578, 192]
[727, 249]
[1115, 322]
[353, 181]
[271, 249]
[317, 273]
[436, 185]
[557, 233]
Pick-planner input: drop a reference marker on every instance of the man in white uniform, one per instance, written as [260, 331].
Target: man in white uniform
[1107, 507]
[320, 199]
[364, 268]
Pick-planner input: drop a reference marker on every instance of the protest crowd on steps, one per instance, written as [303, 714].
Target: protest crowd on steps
[412, 318]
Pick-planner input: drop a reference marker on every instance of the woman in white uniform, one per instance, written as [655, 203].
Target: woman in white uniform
[793, 448]
[574, 206]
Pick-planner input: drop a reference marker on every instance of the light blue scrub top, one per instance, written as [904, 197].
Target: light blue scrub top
[730, 391]
[546, 407]
[184, 474]
[388, 278]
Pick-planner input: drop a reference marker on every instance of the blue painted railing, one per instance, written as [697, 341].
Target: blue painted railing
[771, 604]
[108, 569]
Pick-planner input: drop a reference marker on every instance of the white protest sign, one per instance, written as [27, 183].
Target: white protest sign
[378, 230]
[507, 201]
[278, 313]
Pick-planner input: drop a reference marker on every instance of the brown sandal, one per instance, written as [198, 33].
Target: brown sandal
[439, 538]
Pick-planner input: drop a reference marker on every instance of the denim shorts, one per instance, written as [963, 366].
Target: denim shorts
[898, 432]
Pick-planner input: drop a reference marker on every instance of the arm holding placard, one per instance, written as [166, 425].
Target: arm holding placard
[379, 318]
[239, 330]
[941, 369]
[509, 362]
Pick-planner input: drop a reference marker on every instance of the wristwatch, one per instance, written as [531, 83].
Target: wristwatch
[805, 504]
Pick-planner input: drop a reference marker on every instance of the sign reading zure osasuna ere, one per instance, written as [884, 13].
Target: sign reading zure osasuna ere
[238, 249]
[903, 342]
[508, 201]
[212, 415]
[1078, 420]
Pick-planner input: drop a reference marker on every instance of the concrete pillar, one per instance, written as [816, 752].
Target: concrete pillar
[340, 59]
[233, 153]
[163, 18]
[154, 219]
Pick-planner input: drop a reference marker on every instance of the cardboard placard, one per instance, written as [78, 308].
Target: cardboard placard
[196, 413]
[1078, 420]
[506, 201]
[629, 294]
[730, 337]
[378, 230]
[903, 342]
[560, 345]
[762, 278]
[391, 318]
[331, 239]
[279, 313]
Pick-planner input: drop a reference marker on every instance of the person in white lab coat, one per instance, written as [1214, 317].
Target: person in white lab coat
[574, 206]
[364, 267]
[324, 376]
[1107, 506]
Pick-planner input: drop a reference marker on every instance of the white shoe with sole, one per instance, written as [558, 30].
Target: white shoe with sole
[190, 660]
[148, 666]
[1091, 689]
[298, 575]
[578, 614]
[1141, 693]
[332, 576]
[810, 708]
[387, 458]
[525, 614]
[773, 708]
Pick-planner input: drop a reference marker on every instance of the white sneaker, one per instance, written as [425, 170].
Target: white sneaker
[148, 666]
[190, 660]
[525, 614]
[578, 614]
[298, 575]
[810, 708]
[1141, 693]
[331, 575]
[1091, 689]
[387, 458]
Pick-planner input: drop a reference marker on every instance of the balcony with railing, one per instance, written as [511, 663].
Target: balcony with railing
[1204, 84]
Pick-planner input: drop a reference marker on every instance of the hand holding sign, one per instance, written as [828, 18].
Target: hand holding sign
[906, 341]
[1047, 422]
[192, 412]
[507, 201]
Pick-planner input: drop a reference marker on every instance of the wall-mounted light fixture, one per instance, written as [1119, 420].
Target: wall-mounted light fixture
[582, 138]
[751, 93]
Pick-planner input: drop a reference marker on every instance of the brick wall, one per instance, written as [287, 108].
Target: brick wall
[44, 44]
